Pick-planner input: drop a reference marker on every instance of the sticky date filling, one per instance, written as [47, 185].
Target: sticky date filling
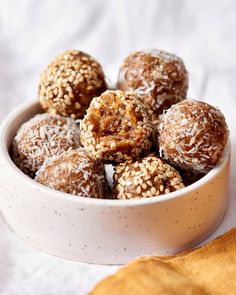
[118, 125]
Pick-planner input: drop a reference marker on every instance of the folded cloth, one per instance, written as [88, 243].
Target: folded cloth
[210, 269]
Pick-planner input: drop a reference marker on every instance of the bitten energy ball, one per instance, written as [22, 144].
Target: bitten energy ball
[69, 84]
[158, 77]
[145, 178]
[42, 137]
[74, 172]
[116, 127]
[193, 136]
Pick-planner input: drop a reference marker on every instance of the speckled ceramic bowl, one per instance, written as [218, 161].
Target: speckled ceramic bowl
[106, 231]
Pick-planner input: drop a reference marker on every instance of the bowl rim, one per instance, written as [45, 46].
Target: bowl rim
[4, 156]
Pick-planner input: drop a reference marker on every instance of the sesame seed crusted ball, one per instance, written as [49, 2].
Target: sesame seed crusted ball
[145, 178]
[116, 127]
[74, 172]
[41, 137]
[193, 136]
[158, 77]
[70, 82]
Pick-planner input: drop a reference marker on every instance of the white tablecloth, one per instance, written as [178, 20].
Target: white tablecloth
[33, 32]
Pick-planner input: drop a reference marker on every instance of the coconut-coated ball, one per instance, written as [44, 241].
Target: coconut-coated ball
[70, 82]
[74, 172]
[145, 178]
[117, 127]
[158, 77]
[193, 136]
[42, 137]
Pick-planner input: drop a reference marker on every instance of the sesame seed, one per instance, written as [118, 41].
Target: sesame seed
[153, 190]
[138, 190]
[149, 194]
[144, 186]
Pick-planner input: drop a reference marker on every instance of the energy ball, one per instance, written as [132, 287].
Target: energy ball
[145, 178]
[69, 83]
[116, 127]
[189, 177]
[193, 136]
[43, 136]
[74, 172]
[158, 77]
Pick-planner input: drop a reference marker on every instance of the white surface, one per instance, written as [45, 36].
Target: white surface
[32, 32]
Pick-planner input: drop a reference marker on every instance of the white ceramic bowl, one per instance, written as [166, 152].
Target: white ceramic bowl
[106, 231]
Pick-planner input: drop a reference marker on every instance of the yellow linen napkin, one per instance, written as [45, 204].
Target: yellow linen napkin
[210, 269]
